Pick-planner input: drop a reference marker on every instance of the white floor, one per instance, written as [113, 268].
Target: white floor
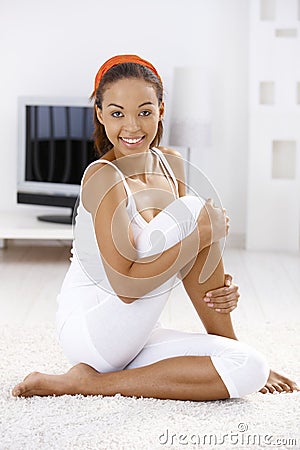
[30, 278]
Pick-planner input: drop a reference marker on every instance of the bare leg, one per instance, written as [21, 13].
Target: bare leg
[214, 322]
[178, 378]
[181, 378]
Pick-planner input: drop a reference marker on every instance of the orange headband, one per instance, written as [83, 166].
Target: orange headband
[119, 59]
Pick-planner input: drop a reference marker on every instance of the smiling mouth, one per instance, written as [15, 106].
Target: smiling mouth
[132, 141]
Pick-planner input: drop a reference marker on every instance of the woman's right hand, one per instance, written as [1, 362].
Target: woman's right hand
[213, 224]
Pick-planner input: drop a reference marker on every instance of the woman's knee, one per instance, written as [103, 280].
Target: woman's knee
[243, 369]
[256, 372]
[170, 226]
[187, 209]
[250, 375]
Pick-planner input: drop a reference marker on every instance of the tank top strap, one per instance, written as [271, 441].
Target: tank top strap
[167, 167]
[126, 186]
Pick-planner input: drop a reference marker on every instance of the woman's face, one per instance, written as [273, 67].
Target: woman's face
[130, 114]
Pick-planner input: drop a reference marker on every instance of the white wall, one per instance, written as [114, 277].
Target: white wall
[273, 217]
[54, 48]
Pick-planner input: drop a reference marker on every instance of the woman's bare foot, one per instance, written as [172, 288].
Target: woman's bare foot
[279, 383]
[80, 379]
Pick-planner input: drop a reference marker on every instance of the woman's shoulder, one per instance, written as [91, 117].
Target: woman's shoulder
[104, 161]
[99, 179]
[169, 151]
[174, 158]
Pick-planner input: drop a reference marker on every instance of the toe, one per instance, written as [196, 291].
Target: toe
[289, 386]
[278, 388]
[264, 390]
[271, 388]
[21, 388]
[18, 390]
[285, 387]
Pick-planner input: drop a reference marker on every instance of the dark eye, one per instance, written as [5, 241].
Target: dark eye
[117, 114]
[145, 113]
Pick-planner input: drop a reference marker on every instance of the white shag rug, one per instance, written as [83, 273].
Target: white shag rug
[76, 422]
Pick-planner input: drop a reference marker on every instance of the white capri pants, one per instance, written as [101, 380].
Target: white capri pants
[110, 335]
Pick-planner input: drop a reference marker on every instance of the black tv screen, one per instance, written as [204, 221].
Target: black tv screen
[59, 143]
[55, 147]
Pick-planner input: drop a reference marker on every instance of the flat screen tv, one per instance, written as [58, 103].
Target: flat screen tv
[55, 147]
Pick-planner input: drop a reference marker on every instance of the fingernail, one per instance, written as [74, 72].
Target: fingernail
[206, 299]
[208, 294]
[210, 305]
[218, 310]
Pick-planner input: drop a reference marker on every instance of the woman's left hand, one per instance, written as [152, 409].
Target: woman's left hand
[224, 299]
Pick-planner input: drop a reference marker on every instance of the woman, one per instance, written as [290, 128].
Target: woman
[135, 232]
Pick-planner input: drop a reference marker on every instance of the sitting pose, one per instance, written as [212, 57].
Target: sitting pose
[136, 235]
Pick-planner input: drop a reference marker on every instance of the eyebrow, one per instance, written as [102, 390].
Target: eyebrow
[121, 107]
[117, 106]
[146, 103]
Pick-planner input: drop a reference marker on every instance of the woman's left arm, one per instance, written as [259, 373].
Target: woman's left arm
[225, 299]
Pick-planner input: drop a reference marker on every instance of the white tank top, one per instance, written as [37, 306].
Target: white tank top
[86, 263]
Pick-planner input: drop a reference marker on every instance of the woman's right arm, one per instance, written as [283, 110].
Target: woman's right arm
[104, 196]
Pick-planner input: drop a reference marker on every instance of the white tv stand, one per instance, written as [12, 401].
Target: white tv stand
[23, 225]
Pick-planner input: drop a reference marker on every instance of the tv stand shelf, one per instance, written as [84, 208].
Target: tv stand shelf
[20, 225]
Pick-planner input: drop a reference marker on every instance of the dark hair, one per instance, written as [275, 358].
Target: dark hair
[116, 73]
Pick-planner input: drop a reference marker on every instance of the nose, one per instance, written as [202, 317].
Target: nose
[131, 124]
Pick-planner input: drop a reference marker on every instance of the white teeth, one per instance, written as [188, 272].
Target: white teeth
[131, 141]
